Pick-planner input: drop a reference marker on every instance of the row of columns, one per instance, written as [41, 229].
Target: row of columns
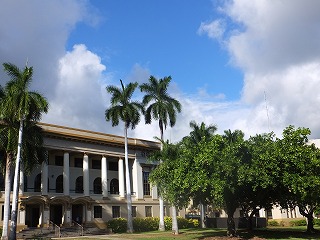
[137, 181]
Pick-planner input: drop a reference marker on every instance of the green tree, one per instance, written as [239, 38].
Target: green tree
[300, 172]
[128, 111]
[169, 177]
[19, 105]
[199, 134]
[260, 177]
[163, 108]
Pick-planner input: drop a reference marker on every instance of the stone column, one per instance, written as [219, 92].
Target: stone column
[46, 217]
[89, 213]
[137, 179]
[86, 175]
[22, 214]
[44, 179]
[67, 215]
[66, 174]
[121, 177]
[154, 192]
[104, 177]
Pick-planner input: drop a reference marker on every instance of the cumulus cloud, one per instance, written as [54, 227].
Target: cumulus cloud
[277, 45]
[80, 92]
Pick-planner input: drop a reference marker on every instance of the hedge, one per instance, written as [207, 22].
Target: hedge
[119, 225]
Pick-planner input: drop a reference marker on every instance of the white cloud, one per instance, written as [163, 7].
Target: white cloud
[277, 45]
[214, 29]
[80, 92]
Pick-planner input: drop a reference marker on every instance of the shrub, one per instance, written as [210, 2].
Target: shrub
[167, 223]
[316, 221]
[294, 223]
[193, 223]
[145, 224]
[182, 223]
[273, 223]
[118, 225]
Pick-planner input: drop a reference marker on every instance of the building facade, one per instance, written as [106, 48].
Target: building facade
[83, 180]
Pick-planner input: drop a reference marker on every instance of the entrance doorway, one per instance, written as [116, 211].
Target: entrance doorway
[32, 215]
[56, 214]
[77, 213]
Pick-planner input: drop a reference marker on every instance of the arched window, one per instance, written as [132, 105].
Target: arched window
[37, 183]
[59, 184]
[97, 186]
[114, 186]
[79, 184]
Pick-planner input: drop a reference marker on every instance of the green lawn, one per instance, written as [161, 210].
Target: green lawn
[292, 233]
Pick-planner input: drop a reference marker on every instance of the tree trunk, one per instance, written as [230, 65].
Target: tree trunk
[7, 192]
[16, 183]
[128, 184]
[310, 227]
[308, 213]
[231, 229]
[175, 229]
[161, 204]
[250, 225]
[202, 216]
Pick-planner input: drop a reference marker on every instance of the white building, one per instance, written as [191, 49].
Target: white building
[84, 179]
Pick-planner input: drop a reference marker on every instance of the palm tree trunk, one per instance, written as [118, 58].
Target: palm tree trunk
[128, 185]
[16, 183]
[161, 204]
[175, 229]
[7, 192]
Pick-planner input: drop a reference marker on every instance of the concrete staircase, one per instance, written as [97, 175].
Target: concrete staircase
[48, 233]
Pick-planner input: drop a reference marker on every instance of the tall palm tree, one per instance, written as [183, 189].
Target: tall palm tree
[201, 131]
[24, 108]
[163, 108]
[124, 109]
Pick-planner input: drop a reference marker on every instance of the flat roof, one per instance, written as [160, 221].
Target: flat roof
[91, 136]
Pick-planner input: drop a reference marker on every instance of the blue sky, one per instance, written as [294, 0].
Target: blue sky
[252, 65]
[161, 36]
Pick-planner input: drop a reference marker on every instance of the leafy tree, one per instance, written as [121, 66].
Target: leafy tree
[300, 172]
[20, 107]
[128, 111]
[199, 134]
[169, 177]
[163, 108]
[260, 175]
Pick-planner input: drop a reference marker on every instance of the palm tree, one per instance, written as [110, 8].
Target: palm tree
[201, 131]
[122, 108]
[21, 108]
[163, 108]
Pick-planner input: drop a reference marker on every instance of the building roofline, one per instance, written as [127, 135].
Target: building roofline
[92, 136]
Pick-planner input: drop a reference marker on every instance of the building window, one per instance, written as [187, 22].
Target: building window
[148, 210]
[115, 211]
[37, 183]
[134, 211]
[269, 214]
[78, 162]
[58, 160]
[146, 184]
[97, 186]
[59, 184]
[113, 166]
[97, 212]
[79, 185]
[114, 186]
[96, 164]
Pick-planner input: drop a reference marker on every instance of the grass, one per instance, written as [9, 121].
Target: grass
[274, 233]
